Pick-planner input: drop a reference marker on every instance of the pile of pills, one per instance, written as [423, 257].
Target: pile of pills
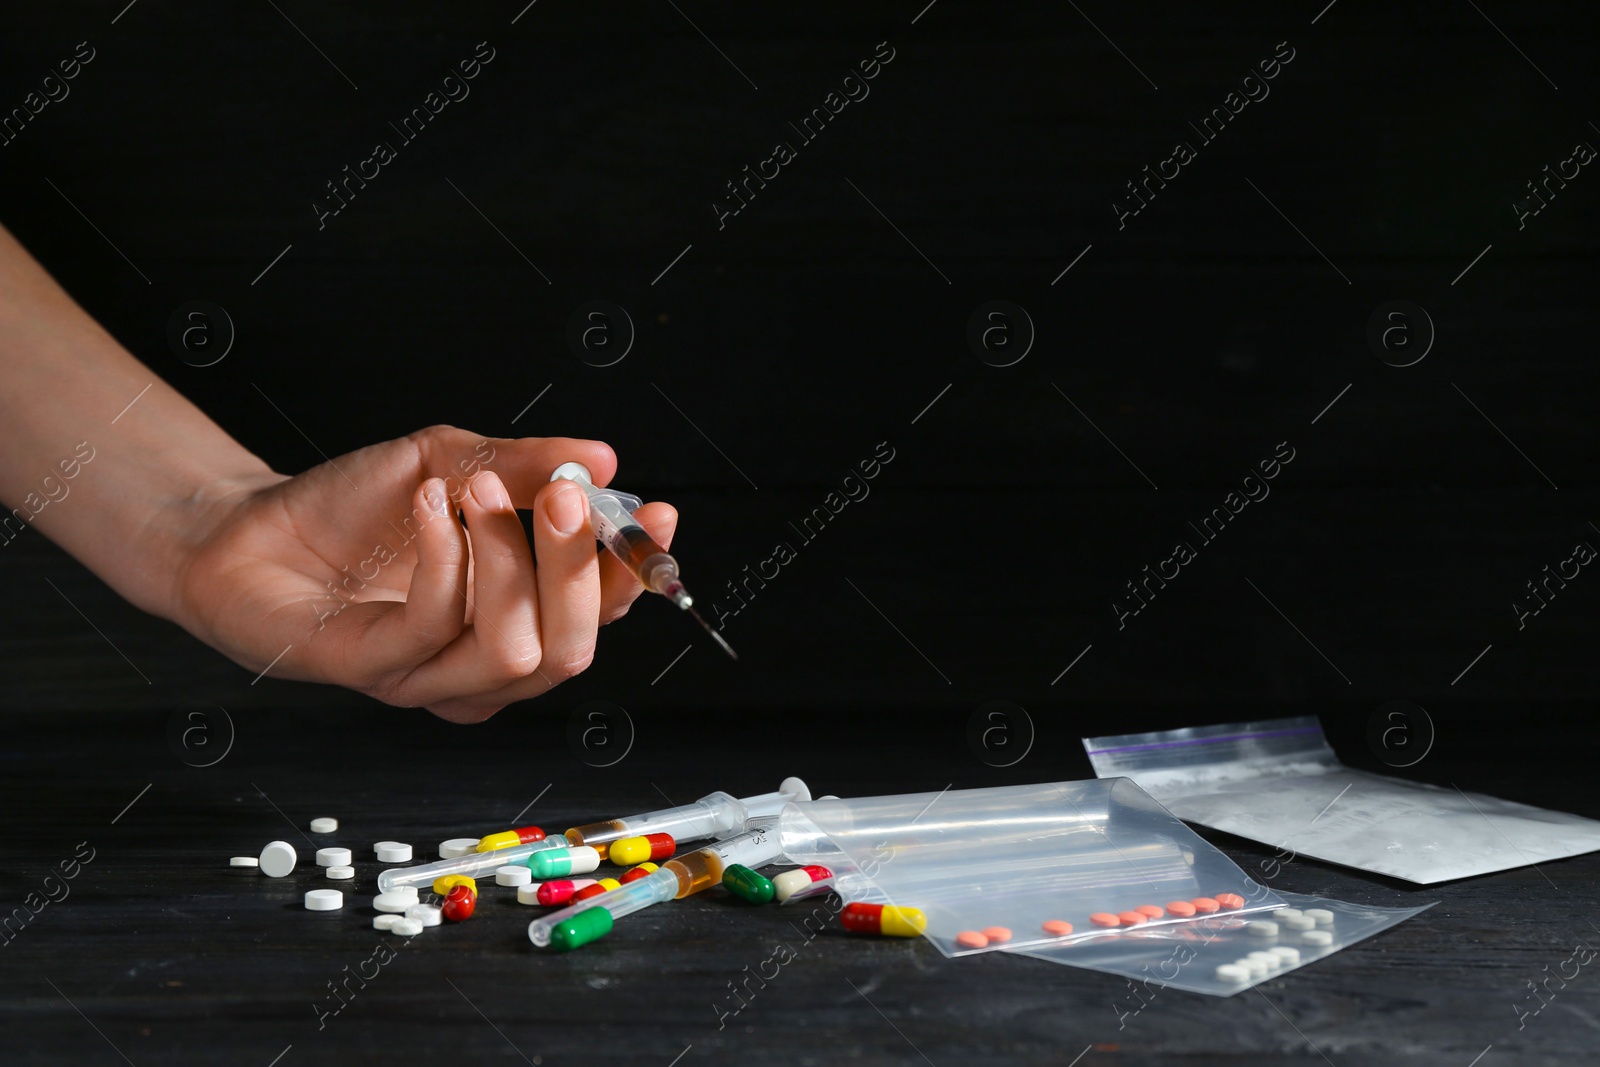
[1135, 916]
[1311, 927]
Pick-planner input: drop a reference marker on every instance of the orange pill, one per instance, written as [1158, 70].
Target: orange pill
[1058, 927]
[996, 934]
[1105, 918]
[1149, 911]
[971, 939]
[1131, 918]
[1205, 905]
[1181, 908]
[1230, 901]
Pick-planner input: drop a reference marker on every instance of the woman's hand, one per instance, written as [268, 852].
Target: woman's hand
[359, 573]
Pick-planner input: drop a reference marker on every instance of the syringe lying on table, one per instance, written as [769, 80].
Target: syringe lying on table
[675, 879]
[713, 815]
[611, 515]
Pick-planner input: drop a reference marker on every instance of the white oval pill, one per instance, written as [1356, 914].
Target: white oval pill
[243, 861]
[341, 873]
[1269, 958]
[1299, 922]
[1322, 916]
[512, 874]
[406, 928]
[426, 914]
[324, 900]
[1317, 937]
[1289, 956]
[393, 902]
[385, 922]
[528, 894]
[1232, 972]
[333, 857]
[1255, 967]
[1262, 928]
[393, 852]
[1284, 913]
[277, 859]
[324, 825]
[457, 846]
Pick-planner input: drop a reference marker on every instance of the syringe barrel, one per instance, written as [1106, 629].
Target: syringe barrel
[654, 888]
[702, 869]
[473, 864]
[710, 816]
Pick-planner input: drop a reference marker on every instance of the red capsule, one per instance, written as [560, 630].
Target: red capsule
[638, 849]
[888, 919]
[460, 904]
[561, 890]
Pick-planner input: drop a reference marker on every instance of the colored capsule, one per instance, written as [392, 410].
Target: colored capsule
[460, 904]
[443, 884]
[636, 873]
[560, 862]
[559, 892]
[890, 920]
[522, 835]
[802, 882]
[746, 884]
[631, 850]
[588, 925]
[604, 885]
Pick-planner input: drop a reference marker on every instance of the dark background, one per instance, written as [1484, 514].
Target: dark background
[1224, 319]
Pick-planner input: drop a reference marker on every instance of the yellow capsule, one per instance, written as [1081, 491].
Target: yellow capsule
[442, 884]
[897, 921]
[494, 842]
[629, 851]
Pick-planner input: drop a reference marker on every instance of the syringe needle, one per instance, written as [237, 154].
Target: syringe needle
[718, 638]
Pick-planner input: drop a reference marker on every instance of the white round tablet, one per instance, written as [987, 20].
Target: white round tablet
[1284, 913]
[385, 922]
[1299, 922]
[333, 857]
[324, 900]
[406, 928]
[528, 894]
[243, 861]
[1262, 928]
[341, 873]
[324, 825]
[1317, 937]
[457, 847]
[392, 902]
[426, 914]
[512, 874]
[1232, 972]
[1321, 916]
[1269, 958]
[277, 859]
[408, 893]
[1256, 967]
[1289, 956]
[393, 852]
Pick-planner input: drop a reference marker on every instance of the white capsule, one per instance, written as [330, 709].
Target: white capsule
[1232, 972]
[457, 846]
[333, 857]
[244, 861]
[393, 852]
[426, 914]
[324, 825]
[406, 928]
[512, 874]
[528, 894]
[1262, 928]
[324, 900]
[1299, 922]
[393, 902]
[1289, 956]
[1322, 916]
[278, 859]
[340, 873]
[1317, 937]
[385, 922]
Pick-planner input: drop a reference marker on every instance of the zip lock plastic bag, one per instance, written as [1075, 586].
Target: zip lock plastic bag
[974, 861]
[1279, 782]
[1224, 954]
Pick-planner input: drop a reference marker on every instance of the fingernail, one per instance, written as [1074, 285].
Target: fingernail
[433, 493]
[566, 509]
[488, 490]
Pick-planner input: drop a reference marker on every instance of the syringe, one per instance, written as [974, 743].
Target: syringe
[592, 919]
[713, 815]
[611, 515]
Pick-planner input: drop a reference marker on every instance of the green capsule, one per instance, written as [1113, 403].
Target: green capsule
[588, 925]
[746, 884]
